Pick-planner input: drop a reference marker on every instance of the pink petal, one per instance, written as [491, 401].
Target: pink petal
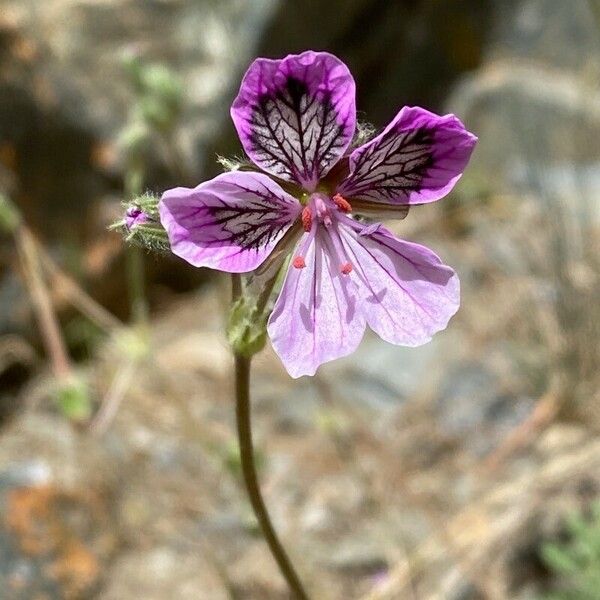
[296, 116]
[316, 318]
[230, 223]
[407, 294]
[416, 159]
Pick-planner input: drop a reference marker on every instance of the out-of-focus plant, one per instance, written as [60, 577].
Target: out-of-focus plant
[152, 122]
[73, 398]
[305, 271]
[154, 118]
[159, 92]
[70, 389]
[83, 336]
[132, 347]
[575, 563]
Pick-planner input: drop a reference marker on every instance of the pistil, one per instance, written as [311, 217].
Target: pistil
[322, 210]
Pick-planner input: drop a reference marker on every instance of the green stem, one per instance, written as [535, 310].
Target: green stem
[136, 284]
[244, 430]
[134, 257]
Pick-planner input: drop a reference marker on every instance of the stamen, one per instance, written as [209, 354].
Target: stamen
[298, 262]
[342, 203]
[306, 219]
[338, 252]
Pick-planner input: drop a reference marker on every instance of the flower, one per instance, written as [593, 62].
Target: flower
[296, 119]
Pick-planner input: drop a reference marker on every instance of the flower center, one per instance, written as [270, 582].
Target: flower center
[321, 209]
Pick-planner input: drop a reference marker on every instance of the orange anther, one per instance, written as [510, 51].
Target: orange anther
[306, 219]
[298, 262]
[342, 203]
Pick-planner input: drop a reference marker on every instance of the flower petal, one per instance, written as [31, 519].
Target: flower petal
[230, 223]
[296, 116]
[407, 293]
[316, 318]
[417, 158]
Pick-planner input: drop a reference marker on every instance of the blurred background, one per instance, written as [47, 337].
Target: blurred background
[466, 469]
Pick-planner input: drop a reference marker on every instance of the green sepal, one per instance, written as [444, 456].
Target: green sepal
[150, 236]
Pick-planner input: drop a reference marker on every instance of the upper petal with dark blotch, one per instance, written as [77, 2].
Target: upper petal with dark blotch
[316, 318]
[407, 293]
[416, 159]
[230, 223]
[296, 116]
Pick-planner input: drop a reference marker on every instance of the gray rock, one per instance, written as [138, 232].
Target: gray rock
[383, 376]
[534, 103]
[472, 403]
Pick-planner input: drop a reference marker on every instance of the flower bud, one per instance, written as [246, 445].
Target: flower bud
[141, 224]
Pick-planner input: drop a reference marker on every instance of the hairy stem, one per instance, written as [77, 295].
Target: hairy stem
[244, 429]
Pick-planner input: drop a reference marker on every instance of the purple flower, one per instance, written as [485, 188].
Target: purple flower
[135, 216]
[296, 119]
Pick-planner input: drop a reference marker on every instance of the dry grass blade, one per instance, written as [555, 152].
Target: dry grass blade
[479, 533]
[78, 297]
[42, 303]
[111, 402]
